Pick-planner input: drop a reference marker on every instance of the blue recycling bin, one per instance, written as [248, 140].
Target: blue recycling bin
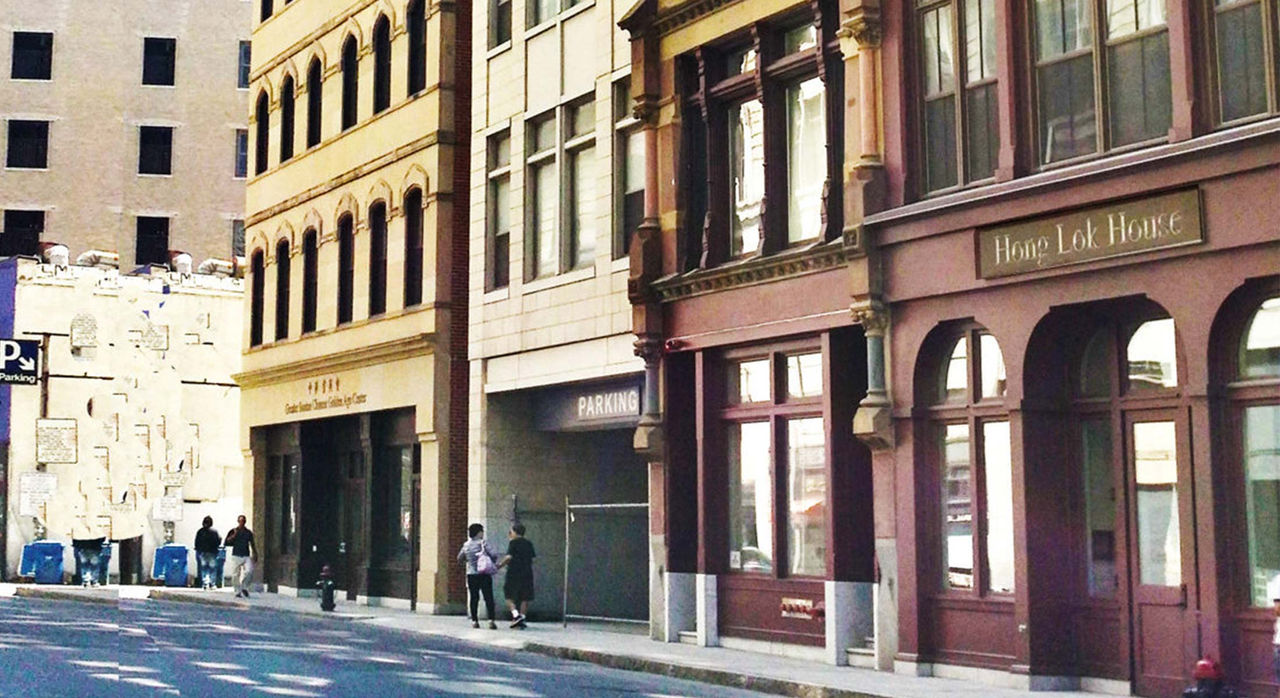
[42, 560]
[170, 564]
[220, 566]
[104, 562]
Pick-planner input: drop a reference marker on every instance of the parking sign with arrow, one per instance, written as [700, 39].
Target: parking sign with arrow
[18, 360]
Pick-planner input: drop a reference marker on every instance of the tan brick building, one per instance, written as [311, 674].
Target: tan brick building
[555, 384]
[124, 124]
[354, 379]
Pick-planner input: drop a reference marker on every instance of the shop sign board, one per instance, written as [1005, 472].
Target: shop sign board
[56, 441]
[34, 491]
[167, 508]
[18, 361]
[590, 407]
[1074, 237]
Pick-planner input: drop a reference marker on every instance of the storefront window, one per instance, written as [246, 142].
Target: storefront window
[1100, 507]
[749, 381]
[804, 375]
[1259, 360]
[746, 161]
[1155, 457]
[976, 476]
[806, 159]
[807, 494]
[750, 497]
[1260, 352]
[1152, 357]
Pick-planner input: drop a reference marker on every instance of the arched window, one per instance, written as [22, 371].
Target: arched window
[315, 96]
[282, 289]
[262, 128]
[1255, 395]
[381, 64]
[346, 267]
[266, 8]
[973, 457]
[416, 16]
[377, 259]
[286, 118]
[350, 82]
[310, 278]
[255, 298]
[413, 248]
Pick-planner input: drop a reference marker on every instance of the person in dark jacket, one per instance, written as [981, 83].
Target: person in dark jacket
[518, 587]
[207, 542]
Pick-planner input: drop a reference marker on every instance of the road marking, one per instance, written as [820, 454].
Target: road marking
[234, 678]
[308, 681]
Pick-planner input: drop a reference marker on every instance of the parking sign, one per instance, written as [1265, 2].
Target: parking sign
[18, 361]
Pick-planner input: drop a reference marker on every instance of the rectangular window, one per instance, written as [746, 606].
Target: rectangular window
[242, 153]
[543, 251]
[155, 150]
[282, 290]
[1159, 538]
[498, 212]
[1262, 500]
[807, 495]
[152, 243]
[242, 75]
[540, 11]
[499, 22]
[21, 233]
[28, 144]
[158, 59]
[32, 56]
[806, 159]
[377, 259]
[346, 269]
[1139, 84]
[746, 166]
[579, 142]
[257, 291]
[997, 482]
[413, 248]
[957, 498]
[1100, 507]
[749, 449]
[310, 279]
[1240, 32]
[237, 238]
[629, 170]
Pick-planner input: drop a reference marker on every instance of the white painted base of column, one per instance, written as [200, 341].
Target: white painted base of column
[838, 599]
[708, 610]
[885, 595]
[680, 605]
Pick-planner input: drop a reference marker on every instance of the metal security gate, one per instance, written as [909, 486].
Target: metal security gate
[612, 543]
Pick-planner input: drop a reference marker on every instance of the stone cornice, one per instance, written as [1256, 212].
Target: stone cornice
[686, 14]
[759, 270]
[396, 349]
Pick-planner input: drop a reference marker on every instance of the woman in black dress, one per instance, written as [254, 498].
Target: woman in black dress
[518, 587]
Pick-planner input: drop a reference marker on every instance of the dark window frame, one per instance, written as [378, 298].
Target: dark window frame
[381, 64]
[499, 23]
[27, 144]
[287, 110]
[497, 242]
[282, 289]
[257, 286]
[21, 232]
[245, 58]
[33, 61]
[416, 30]
[346, 268]
[240, 169]
[628, 207]
[159, 61]
[378, 224]
[539, 156]
[155, 150]
[315, 102]
[262, 131]
[413, 247]
[1268, 72]
[151, 240]
[350, 82]
[310, 278]
[709, 93]
[265, 10]
[237, 237]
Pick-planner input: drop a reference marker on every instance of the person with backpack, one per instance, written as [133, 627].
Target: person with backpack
[207, 542]
[480, 558]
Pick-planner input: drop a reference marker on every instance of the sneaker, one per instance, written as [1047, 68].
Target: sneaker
[475, 623]
[519, 620]
[493, 625]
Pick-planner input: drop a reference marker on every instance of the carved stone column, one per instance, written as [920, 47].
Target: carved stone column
[860, 36]
[872, 423]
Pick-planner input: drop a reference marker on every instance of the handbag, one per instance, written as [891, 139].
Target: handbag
[485, 563]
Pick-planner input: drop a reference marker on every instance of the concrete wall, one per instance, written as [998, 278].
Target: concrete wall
[155, 408]
[91, 191]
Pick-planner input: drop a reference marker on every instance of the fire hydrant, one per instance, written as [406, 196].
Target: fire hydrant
[326, 588]
[1209, 682]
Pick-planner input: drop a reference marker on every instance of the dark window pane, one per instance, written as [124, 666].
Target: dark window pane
[413, 248]
[282, 289]
[266, 9]
[346, 268]
[1068, 123]
[242, 152]
[500, 23]
[982, 144]
[32, 56]
[263, 127]
[242, 77]
[28, 144]
[237, 238]
[940, 143]
[1242, 71]
[501, 260]
[256, 287]
[286, 119]
[315, 92]
[155, 150]
[310, 278]
[152, 245]
[417, 20]
[377, 259]
[21, 233]
[381, 65]
[158, 60]
[1140, 94]
[350, 83]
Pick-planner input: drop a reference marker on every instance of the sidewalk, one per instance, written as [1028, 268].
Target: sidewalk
[587, 642]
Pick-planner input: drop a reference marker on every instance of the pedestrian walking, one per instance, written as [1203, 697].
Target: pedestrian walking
[518, 586]
[207, 542]
[480, 557]
[243, 554]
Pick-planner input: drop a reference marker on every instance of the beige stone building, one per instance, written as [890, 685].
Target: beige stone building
[557, 188]
[124, 126]
[133, 418]
[354, 377]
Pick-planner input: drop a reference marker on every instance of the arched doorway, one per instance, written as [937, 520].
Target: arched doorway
[1116, 426]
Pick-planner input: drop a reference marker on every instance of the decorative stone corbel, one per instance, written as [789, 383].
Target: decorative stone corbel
[873, 420]
[649, 439]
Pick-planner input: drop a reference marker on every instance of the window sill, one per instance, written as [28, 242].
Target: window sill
[19, 168]
[620, 264]
[497, 50]
[576, 10]
[537, 29]
[167, 87]
[564, 279]
[156, 175]
[36, 80]
[496, 296]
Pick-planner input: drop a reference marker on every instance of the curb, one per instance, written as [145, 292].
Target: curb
[162, 595]
[61, 595]
[719, 677]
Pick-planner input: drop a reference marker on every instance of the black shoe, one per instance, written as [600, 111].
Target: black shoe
[519, 621]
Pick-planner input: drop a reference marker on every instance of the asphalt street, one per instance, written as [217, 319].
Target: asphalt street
[145, 648]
